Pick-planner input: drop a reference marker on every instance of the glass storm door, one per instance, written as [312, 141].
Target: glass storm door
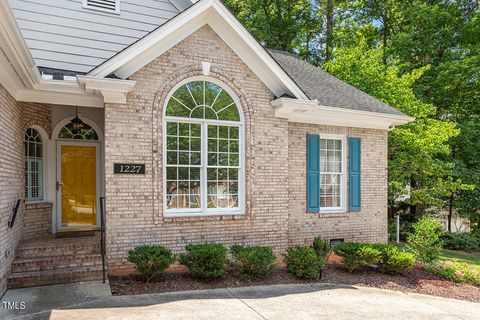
[77, 185]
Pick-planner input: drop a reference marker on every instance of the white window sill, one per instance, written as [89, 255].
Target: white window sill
[333, 211]
[190, 214]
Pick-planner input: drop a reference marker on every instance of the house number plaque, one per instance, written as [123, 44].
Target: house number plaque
[128, 168]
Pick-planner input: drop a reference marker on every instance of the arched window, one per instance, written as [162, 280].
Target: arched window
[203, 151]
[33, 165]
[86, 132]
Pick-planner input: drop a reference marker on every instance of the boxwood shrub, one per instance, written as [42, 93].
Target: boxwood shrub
[387, 257]
[205, 260]
[151, 261]
[393, 259]
[303, 262]
[253, 261]
[322, 248]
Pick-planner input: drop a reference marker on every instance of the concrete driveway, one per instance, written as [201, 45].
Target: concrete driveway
[318, 301]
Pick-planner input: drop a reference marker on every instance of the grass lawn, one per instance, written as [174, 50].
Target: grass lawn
[457, 266]
[473, 259]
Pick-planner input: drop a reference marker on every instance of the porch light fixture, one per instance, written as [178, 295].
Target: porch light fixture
[77, 123]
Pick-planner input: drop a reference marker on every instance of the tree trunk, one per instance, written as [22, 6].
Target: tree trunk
[413, 207]
[329, 33]
[450, 213]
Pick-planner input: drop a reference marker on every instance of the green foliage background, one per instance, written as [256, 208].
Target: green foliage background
[421, 57]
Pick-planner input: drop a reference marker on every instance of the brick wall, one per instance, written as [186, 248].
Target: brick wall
[15, 118]
[370, 224]
[132, 134]
[37, 114]
[11, 180]
[275, 208]
[37, 221]
[38, 216]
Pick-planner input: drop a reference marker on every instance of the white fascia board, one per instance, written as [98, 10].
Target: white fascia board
[8, 77]
[16, 49]
[62, 98]
[112, 90]
[217, 16]
[134, 58]
[311, 112]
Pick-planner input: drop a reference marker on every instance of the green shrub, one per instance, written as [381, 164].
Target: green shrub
[356, 254]
[461, 241]
[205, 260]
[454, 271]
[322, 248]
[424, 242]
[348, 252]
[253, 261]
[151, 261]
[303, 262]
[393, 259]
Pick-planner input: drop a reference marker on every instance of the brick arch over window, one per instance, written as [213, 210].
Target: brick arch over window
[222, 78]
[194, 71]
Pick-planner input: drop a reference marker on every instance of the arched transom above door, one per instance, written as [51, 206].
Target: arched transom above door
[83, 132]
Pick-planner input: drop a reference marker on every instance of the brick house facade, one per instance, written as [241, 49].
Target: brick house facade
[121, 103]
[275, 165]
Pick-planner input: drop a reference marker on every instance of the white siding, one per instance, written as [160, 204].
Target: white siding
[61, 34]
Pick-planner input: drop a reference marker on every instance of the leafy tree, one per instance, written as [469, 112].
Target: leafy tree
[414, 149]
[420, 56]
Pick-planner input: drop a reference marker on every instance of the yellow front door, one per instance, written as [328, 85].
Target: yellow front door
[79, 185]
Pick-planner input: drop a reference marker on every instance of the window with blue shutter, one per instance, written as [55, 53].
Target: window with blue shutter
[354, 174]
[313, 173]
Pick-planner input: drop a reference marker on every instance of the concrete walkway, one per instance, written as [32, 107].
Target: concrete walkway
[40, 299]
[319, 301]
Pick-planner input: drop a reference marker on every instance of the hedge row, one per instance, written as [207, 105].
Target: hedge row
[209, 260]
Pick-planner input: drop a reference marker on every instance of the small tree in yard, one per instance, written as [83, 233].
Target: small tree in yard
[425, 242]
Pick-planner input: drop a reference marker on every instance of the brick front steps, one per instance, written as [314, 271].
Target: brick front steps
[55, 261]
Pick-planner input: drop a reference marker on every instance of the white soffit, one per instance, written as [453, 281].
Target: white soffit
[219, 18]
[311, 112]
[20, 76]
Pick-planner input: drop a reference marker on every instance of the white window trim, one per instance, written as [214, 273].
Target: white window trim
[204, 211]
[343, 186]
[45, 141]
[86, 5]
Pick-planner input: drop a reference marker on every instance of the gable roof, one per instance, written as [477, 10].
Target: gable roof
[214, 14]
[64, 35]
[314, 94]
[326, 89]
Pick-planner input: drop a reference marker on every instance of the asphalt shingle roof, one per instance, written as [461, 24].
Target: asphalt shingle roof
[328, 90]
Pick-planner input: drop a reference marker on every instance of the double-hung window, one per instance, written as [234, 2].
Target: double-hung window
[202, 151]
[33, 165]
[332, 174]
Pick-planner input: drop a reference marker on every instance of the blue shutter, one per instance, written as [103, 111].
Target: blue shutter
[313, 173]
[354, 147]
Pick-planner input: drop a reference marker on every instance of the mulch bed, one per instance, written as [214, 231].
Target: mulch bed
[415, 280]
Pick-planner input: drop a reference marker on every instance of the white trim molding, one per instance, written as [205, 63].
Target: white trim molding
[311, 112]
[204, 211]
[20, 76]
[221, 20]
[112, 90]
